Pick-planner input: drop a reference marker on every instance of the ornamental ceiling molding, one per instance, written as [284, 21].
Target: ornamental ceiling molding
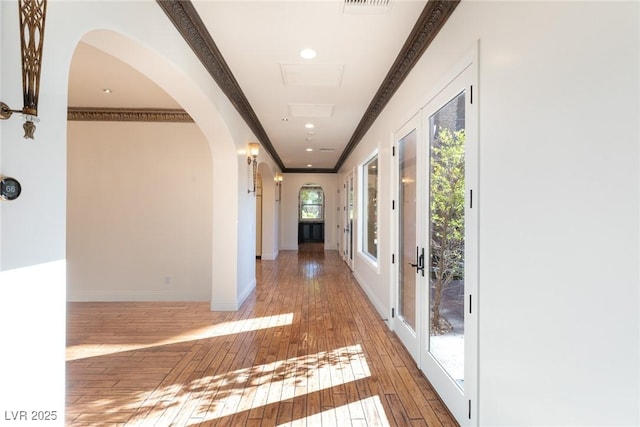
[186, 19]
[128, 115]
[433, 17]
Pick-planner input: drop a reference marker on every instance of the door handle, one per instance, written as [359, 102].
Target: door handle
[419, 265]
[420, 262]
[417, 260]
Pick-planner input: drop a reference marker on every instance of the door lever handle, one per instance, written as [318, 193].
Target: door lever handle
[419, 265]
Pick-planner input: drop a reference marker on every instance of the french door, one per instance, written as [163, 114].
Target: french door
[408, 316]
[437, 245]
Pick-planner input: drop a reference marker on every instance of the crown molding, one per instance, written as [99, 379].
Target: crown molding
[183, 15]
[185, 18]
[431, 20]
[128, 115]
[309, 170]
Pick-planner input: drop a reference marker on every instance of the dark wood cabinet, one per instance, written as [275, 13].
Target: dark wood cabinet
[310, 232]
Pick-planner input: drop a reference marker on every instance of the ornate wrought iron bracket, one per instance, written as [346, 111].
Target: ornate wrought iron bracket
[32, 18]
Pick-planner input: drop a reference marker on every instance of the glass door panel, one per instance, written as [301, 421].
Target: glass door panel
[350, 214]
[450, 222]
[407, 204]
[447, 237]
[407, 321]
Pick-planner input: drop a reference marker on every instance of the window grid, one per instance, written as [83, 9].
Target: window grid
[311, 202]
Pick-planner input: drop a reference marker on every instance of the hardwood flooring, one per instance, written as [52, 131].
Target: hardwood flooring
[305, 349]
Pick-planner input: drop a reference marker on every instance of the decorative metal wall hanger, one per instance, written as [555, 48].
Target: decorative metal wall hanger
[32, 17]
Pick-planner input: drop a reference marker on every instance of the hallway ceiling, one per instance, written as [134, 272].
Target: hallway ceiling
[364, 48]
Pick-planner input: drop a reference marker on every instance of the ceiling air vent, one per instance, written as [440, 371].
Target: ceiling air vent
[318, 75]
[311, 110]
[366, 6]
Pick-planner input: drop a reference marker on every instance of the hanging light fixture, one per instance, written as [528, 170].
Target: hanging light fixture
[32, 18]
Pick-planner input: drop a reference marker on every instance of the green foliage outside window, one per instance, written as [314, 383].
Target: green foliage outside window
[447, 216]
[311, 203]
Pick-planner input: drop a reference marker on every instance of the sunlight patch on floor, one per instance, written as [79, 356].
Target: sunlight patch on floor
[369, 412]
[82, 351]
[223, 395]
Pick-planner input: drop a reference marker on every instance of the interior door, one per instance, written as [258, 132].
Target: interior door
[450, 223]
[410, 263]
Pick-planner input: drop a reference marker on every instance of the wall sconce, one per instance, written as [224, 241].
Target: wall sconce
[252, 159]
[278, 179]
[32, 17]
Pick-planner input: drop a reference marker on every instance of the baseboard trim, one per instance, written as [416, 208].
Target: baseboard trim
[137, 296]
[380, 308]
[234, 305]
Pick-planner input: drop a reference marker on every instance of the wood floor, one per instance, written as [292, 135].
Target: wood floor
[306, 349]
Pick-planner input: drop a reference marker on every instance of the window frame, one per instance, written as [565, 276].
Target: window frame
[321, 205]
[366, 232]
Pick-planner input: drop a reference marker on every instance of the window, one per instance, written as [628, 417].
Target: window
[311, 199]
[370, 204]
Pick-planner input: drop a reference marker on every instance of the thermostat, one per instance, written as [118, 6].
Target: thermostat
[10, 188]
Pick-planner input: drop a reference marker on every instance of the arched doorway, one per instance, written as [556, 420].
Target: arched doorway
[34, 262]
[311, 215]
[137, 250]
[230, 259]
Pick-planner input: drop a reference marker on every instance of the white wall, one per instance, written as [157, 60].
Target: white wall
[367, 272]
[246, 228]
[138, 212]
[289, 208]
[559, 337]
[270, 213]
[33, 229]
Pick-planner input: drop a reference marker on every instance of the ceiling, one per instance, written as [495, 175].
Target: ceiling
[364, 48]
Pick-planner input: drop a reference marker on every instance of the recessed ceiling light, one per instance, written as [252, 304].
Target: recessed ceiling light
[106, 90]
[308, 53]
[309, 149]
[309, 126]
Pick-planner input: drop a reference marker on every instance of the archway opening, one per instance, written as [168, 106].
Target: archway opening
[311, 218]
[134, 231]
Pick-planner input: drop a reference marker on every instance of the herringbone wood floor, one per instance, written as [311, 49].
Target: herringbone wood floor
[306, 349]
